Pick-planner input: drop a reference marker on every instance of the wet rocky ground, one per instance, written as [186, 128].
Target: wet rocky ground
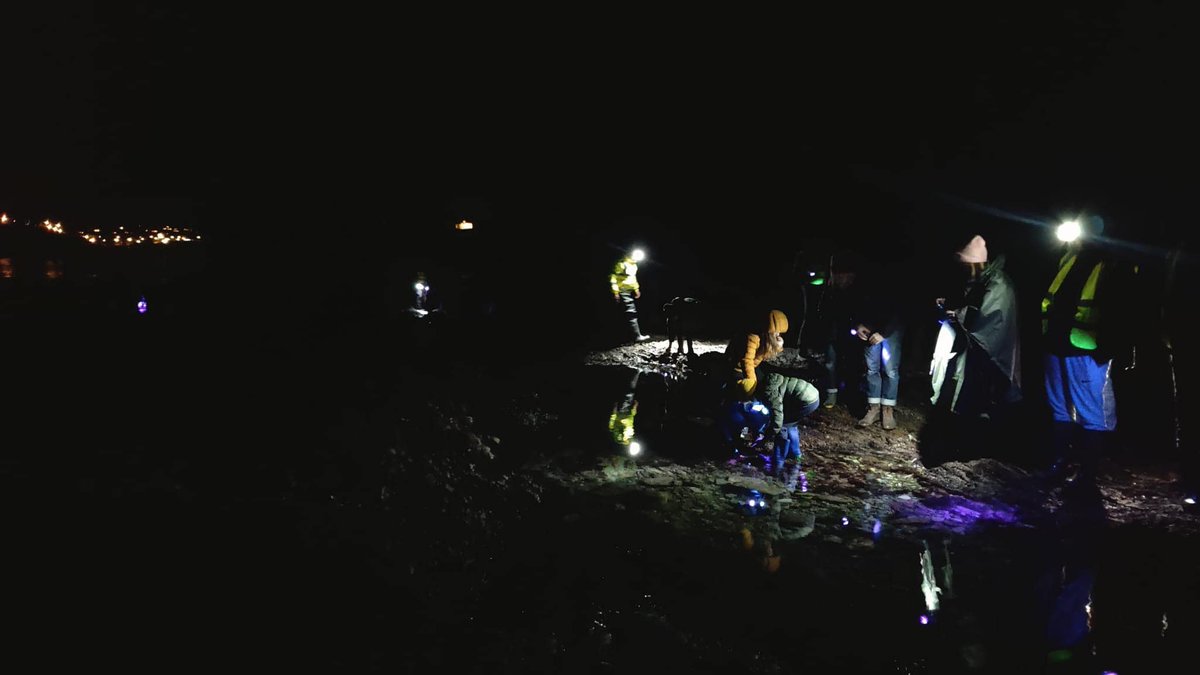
[384, 513]
[526, 540]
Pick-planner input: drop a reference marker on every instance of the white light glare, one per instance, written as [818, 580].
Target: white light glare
[1069, 231]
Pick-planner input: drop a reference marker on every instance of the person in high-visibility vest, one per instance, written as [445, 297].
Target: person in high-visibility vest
[623, 282]
[624, 412]
[1087, 322]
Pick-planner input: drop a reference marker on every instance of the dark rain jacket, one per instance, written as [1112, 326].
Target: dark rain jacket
[987, 369]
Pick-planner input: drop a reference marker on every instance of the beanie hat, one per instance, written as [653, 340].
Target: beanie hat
[975, 251]
[777, 322]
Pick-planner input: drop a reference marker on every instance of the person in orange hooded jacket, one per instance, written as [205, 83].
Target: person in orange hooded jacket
[746, 353]
[750, 350]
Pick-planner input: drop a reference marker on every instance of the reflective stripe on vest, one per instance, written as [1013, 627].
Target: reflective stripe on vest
[1083, 327]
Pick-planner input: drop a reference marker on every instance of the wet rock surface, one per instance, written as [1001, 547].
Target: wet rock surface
[505, 513]
[478, 516]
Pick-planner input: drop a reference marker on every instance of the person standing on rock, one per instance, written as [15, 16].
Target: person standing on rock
[976, 367]
[986, 368]
[876, 320]
[626, 290]
[1091, 314]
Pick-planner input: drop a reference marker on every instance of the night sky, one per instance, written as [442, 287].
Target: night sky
[371, 132]
[325, 150]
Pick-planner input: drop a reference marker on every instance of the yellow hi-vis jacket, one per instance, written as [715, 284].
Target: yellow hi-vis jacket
[1084, 326]
[624, 276]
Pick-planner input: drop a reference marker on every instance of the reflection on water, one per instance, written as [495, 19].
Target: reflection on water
[1057, 593]
[43, 268]
[53, 269]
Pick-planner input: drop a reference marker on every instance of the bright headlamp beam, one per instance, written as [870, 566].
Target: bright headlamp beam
[1069, 231]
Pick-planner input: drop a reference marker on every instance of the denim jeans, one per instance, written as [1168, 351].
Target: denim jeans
[883, 370]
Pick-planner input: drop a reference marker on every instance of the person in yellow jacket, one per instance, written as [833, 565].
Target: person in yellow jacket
[1089, 322]
[741, 411]
[750, 350]
[623, 282]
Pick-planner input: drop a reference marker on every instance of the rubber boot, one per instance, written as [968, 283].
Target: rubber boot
[1062, 448]
[831, 398]
[1093, 445]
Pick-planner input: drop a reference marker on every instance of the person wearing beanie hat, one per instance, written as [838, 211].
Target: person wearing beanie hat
[975, 251]
[983, 374]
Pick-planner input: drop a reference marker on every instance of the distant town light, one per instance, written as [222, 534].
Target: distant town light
[464, 225]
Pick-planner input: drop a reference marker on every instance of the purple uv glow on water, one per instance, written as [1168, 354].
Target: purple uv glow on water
[141, 306]
[924, 620]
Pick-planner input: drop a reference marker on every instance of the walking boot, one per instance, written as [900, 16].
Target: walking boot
[889, 417]
[872, 415]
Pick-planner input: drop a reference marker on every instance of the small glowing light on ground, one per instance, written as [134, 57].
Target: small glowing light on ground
[141, 306]
[924, 619]
[845, 520]
[1189, 500]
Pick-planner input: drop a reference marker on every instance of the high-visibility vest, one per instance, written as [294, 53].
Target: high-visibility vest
[620, 424]
[1085, 323]
[624, 276]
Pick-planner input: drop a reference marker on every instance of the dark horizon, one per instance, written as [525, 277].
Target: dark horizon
[192, 112]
